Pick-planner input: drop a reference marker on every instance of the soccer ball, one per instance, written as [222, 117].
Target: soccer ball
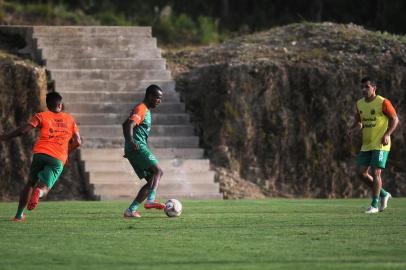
[173, 208]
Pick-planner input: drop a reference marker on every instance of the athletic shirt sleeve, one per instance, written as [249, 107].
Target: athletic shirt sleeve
[138, 114]
[388, 109]
[36, 120]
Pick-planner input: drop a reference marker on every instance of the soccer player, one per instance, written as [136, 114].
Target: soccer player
[59, 136]
[136, 129]
[377, 119]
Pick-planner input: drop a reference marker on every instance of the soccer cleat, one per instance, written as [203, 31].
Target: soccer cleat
[154, 205]
[371, 210]
[384, 202]
[131, 214]
[34, 199]
[15, 219]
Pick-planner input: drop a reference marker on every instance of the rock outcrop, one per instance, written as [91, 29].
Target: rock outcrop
[275, 106]
[23, 86]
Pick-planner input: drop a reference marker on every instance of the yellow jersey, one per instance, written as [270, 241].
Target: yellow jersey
[374, 116]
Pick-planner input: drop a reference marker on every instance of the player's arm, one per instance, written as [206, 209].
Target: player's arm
[128, 127]
[17, 132]
[74, 142]
[390, 112]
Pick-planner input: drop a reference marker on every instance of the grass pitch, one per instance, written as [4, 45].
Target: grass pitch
[246, 234]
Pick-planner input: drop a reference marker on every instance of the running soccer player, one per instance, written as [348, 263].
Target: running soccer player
[136, 130]
[59, 136]
[377, 119]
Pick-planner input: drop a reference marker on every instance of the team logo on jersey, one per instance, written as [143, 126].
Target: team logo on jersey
[373, 111]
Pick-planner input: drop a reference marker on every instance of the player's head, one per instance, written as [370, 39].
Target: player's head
[368, 87]
[153, 96]
[54, 101]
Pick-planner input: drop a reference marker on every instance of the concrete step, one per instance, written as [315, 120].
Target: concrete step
[165, 196]
[122, 167]
[106, 53]
[154, 142]
[89, 131]
[130, 189]
[110, 74]
[112, 96]
[121, 108]
[96, 41]
[162, 196]
[112, 154]
[73, 31]
[118, 119]
[169, 177]
[103, 63]
[112, 85]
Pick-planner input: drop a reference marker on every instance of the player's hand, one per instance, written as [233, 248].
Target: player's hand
[385, 139]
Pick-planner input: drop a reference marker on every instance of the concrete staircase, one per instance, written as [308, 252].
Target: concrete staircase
[102, 72]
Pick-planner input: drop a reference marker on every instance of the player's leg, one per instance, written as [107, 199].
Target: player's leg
[366, 177]
[376, 188]
[136, 160]
[156, 175]
[47, 178]
[378, 163]
[131, 211]
[25, 195]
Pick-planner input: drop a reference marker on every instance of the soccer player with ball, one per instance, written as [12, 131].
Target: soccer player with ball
[136, 130]
[377, 119]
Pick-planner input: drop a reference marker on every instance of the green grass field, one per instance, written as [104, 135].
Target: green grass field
[245, 234]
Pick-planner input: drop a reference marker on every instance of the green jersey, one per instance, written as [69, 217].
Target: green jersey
[142, 118]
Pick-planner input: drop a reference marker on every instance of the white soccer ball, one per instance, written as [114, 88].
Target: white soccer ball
[173, 208]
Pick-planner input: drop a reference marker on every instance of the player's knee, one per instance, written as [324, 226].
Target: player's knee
[376, 173]
[363, 174]
[44, 188]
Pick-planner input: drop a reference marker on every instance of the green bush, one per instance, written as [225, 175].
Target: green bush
[110, 18]
[208, 30]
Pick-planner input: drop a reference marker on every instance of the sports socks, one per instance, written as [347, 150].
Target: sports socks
[375, 201]
[41, 193]
[383, 193]
[19, 213]
[151, 195]
[134, 206]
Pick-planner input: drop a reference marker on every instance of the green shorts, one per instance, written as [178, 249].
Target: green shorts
[141, 161]
[45, 169]
[374, 158]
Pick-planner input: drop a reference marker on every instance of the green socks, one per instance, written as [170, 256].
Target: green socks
[151, 195]
[19, 213]
[134, 206]
[383, 193]
[375, 201]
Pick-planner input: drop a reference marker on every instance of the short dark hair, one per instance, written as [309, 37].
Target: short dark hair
[368, 79]
[152, 89]
[53, 100]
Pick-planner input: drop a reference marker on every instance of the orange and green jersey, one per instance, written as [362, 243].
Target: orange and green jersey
[374, 116]
[56, 130]
[142, 118]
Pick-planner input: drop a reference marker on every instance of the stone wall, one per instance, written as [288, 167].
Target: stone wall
[23, 87]
[275, 106]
